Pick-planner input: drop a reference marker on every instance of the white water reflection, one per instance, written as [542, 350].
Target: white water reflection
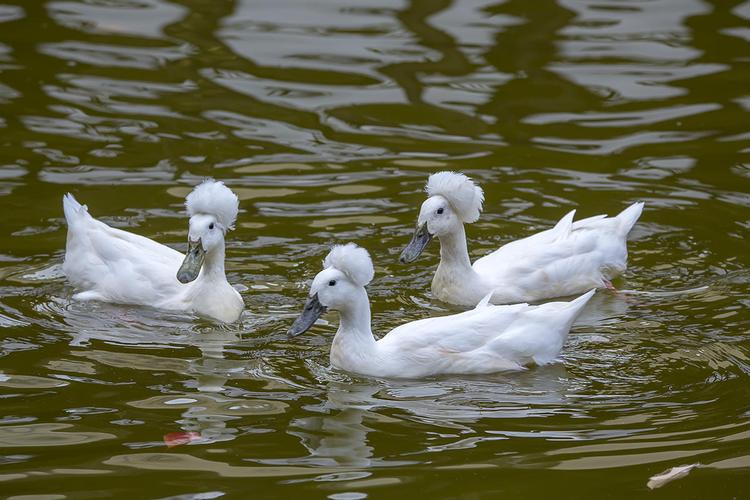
[141, 18]
[326, 117]
[116, 56]
[652, 36]
[117, 95]
[287, 34]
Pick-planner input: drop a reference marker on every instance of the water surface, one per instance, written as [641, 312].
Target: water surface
[326, 117]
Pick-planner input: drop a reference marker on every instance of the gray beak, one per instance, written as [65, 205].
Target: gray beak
[313, 310]
[419, 241]
[191, 266]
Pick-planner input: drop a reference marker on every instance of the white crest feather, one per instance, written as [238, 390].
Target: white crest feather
[352, 260]
[465, 197]
[214, 198]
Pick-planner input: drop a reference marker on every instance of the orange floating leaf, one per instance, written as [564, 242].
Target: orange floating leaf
[177, 438]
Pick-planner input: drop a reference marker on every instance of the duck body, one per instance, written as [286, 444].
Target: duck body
[486, 339]
[111, 265]
[568, 259]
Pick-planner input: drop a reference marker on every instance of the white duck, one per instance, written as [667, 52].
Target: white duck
[568, 259]
[111, 265]
[483, 340]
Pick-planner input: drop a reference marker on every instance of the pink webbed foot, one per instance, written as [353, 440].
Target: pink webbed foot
[611, 288]
[608, 285]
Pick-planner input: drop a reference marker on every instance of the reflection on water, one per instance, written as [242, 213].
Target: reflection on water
[326, 117]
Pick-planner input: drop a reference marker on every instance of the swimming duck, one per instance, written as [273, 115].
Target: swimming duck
[486, 339]
[111, 265]
[568, 259]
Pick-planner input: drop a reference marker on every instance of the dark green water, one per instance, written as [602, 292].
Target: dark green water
[326, 117]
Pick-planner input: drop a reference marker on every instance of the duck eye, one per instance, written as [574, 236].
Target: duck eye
[211, 226]
[332, 283]
[439, 210]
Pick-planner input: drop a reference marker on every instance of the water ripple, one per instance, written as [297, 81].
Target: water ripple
[326, 118]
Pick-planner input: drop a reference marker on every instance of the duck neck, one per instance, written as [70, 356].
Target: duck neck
[354, 343]
[454, 255]
[213, 266]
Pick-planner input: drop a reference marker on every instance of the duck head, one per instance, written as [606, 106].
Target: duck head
[205, 236]
[329, 291]
[213, 208]
[346, 271]
[436, 218]
[453, 200]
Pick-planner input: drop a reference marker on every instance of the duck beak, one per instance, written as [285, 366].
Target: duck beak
[313, 310]
[419, 241]
[191, 266]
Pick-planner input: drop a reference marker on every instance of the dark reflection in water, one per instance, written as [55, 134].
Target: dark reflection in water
[326, 117]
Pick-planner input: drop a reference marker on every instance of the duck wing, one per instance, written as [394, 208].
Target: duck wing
[538, 336]
[118, 265]
[565, 260]
[456, 333]
[484, 340]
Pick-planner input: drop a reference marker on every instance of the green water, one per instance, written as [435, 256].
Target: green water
[326, 117]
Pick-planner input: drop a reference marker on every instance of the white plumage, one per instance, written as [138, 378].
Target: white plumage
[485, 339]
[464, 196]
[112, 265]
[214, 198]
[568, 259]
[352, 260]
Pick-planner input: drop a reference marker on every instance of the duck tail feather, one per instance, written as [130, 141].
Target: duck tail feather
[485, 302]
[73, 210]
[628, 217]
[564, 226]
[579, 303]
